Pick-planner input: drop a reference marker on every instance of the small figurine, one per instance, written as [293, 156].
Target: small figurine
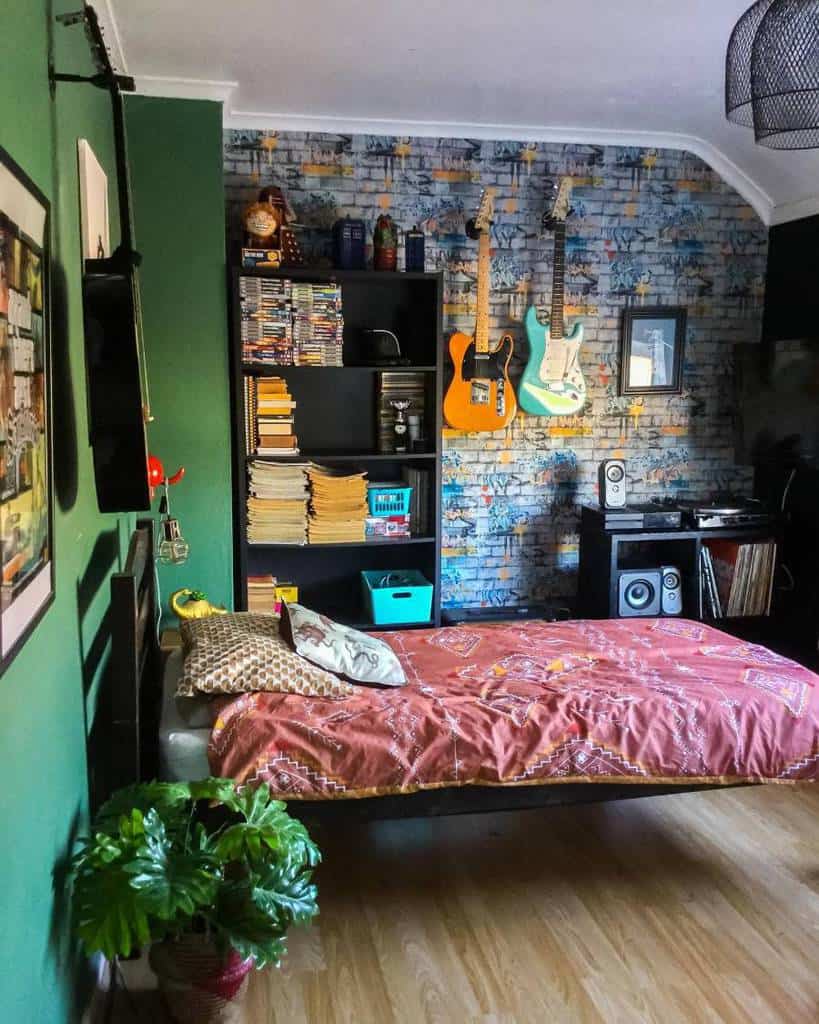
[195, 606]
[399, 428]
[385, 243]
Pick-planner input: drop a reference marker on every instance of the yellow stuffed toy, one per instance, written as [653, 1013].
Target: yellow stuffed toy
[192, 604]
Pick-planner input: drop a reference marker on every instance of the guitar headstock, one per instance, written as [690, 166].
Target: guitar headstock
[482, 221]
[560, 208]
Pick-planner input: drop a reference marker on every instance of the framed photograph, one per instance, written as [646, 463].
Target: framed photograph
[26, 527]
[651, 350]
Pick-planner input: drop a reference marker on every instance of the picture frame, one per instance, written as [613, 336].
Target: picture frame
[652, 346]
[27, 583]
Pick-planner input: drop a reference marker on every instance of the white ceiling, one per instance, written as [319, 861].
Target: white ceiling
[630, 72]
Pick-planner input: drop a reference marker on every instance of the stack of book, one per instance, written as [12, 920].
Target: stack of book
[420, 480]
[737, 578]
[274, 419]
[267, 320]
[397, 386]
[277, 503]
[318, 325]
[338, 506]
[261, 594]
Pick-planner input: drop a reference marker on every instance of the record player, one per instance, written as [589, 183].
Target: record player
[730, 514]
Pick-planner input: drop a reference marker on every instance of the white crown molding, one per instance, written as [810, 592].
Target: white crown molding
[185, 88]
[111, 33]
[715, 158]
[807, 207]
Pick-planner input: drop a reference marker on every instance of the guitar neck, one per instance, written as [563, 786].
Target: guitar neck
[482, 319]
[558, 282]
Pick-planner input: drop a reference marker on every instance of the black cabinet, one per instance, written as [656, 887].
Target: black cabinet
[792, 286]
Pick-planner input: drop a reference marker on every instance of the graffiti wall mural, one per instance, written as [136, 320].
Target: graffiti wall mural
[648, 227]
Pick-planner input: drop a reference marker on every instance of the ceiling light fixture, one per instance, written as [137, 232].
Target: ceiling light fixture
[772, 73]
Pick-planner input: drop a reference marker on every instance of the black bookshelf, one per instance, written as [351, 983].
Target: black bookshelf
[335, 422]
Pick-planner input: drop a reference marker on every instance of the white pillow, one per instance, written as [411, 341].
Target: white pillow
[339, 649]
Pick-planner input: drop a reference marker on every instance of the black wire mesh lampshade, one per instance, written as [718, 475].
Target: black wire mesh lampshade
[738, 105]
[772, 73]
[785, 76]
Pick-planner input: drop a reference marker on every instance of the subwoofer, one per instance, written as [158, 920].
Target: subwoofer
[612, 483]
[639, 593]
[671, 600]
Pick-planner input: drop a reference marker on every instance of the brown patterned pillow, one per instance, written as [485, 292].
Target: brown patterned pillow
[328, 644]
[240, 652]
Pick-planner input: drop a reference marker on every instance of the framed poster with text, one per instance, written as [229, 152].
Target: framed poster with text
[26, 527]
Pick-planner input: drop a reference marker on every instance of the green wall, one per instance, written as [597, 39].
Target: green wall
[48, 695]
[175, 155]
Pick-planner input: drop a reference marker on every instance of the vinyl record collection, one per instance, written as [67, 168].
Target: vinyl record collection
[737, 578]
[290, 324]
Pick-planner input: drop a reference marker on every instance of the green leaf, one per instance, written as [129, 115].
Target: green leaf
[266, 823]
[171, 882]
[171, 801]
[223, 791]
[109, 916]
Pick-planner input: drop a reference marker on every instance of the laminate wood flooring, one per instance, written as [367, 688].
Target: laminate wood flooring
[701, 907]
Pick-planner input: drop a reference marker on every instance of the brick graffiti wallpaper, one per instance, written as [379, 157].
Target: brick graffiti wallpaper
[649, 227]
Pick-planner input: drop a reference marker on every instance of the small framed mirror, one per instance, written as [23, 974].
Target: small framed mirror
[651, 350]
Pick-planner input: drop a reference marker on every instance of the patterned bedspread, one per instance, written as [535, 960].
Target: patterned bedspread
[646, 700]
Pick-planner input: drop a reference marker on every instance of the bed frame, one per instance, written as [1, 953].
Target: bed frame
[137, 665]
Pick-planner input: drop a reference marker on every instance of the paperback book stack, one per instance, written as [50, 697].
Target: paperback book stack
[267, 320]
[318, 325]
[261, 594]
[277, 503]
[338, 506]
[737, 578]
[275, 410]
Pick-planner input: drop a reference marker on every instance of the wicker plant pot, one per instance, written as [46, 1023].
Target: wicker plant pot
[198, 984]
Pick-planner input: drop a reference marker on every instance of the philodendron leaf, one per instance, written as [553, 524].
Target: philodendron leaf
[246, 926]
[170, 881]
[266, 822]
[110, 918]
[168, 799]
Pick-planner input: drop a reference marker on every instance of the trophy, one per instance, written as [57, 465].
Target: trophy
[399, 428]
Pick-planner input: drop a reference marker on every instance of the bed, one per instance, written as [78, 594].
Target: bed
[514, 715]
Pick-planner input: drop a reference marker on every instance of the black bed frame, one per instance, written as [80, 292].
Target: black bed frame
[137, 675]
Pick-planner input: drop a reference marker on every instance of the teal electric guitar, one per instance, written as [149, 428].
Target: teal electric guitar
[552, 383]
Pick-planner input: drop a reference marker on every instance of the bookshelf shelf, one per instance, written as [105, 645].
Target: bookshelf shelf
[336, 423]
[385, 543]
[344, 456]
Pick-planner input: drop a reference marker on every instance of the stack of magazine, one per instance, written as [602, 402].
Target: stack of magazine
[737, 577]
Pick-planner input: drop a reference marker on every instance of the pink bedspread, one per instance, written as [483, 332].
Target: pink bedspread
[646, 700]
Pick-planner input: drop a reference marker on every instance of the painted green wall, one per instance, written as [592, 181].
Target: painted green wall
[48, 695]
[175, 155]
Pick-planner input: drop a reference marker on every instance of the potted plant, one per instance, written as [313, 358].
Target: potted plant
[213, 878]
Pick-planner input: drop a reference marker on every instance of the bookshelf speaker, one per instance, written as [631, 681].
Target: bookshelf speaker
[612, 483]
[672, 591]
[639, 593]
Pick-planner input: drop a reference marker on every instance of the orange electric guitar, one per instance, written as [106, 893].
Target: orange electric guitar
[480, 396]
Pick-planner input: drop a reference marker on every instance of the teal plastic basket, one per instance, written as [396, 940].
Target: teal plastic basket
[393, 597]
[388, 500]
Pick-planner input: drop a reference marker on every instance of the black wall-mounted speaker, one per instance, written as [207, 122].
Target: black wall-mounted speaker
[612, 483]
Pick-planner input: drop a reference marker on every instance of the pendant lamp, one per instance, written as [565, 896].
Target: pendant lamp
[772, 73]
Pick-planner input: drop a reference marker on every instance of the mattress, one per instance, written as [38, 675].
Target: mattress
[184, 729]
[626, 700]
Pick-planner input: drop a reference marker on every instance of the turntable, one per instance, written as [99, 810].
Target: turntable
[728, 515]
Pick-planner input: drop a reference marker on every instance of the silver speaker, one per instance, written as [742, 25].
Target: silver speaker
[639, 593]
[672, 591]
[612, 483]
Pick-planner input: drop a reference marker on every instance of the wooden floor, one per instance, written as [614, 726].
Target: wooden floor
[688, 908]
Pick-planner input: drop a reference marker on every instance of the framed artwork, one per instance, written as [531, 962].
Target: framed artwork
[26, 489]
[93, 204]
[651, 350]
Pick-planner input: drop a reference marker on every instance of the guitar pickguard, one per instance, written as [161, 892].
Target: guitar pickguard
[488, 366]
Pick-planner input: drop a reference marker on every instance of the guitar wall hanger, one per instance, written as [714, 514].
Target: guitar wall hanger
[103, 79]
